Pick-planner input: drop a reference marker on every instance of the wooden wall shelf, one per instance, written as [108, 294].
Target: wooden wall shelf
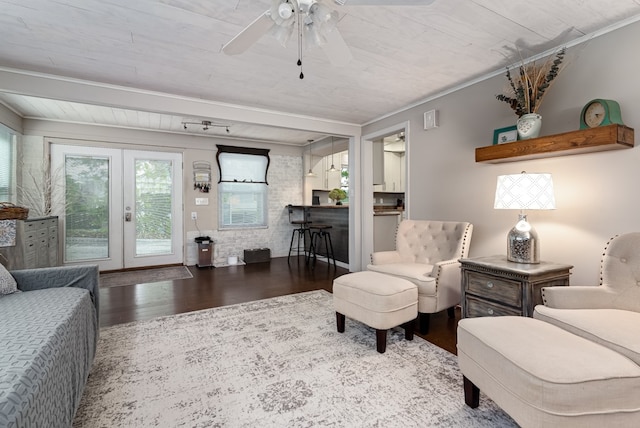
[610, 137]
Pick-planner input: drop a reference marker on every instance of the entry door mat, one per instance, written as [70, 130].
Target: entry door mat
[145, 276]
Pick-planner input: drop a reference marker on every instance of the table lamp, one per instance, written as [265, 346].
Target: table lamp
[524, 192]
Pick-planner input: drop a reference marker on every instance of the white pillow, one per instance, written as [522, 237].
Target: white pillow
[7, 282]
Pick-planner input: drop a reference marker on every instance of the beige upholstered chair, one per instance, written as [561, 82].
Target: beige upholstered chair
[619, 286]
[608, 314]
[427, 254]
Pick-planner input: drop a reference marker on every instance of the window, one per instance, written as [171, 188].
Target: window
[7, 170]
[242, 189]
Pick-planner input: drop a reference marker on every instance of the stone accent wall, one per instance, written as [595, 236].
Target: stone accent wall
[285, 187]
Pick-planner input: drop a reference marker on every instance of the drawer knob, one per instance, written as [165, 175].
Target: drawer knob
[489, 284]
[490, 311]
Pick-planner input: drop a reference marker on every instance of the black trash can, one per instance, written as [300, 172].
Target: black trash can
[205, 251]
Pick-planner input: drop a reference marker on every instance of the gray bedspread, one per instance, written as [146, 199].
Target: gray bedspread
[48, 338]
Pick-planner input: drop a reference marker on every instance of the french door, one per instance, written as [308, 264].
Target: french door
[118, 208]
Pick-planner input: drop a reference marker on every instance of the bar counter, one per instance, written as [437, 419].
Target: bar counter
[338, 217]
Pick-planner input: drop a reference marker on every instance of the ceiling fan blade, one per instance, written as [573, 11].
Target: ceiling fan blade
[251, 34]
[383, 2]
[336, 49]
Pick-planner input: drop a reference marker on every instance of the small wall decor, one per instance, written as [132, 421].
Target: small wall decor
[202, 176]
[505, 135]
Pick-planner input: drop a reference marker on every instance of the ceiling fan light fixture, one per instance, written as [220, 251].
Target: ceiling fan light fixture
[285, 10]
[282, 12]
[313, 37]
[324, 15]
[314, 23]
[282, 34]
[306, 5]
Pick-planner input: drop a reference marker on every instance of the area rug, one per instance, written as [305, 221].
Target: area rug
[273, 363]
[144, 276]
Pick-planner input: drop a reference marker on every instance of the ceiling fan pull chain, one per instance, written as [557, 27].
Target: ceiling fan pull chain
[299, 45]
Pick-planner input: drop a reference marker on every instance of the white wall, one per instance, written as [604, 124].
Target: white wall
[595, 193]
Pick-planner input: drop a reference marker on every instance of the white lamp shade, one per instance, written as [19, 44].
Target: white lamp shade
[525, 192]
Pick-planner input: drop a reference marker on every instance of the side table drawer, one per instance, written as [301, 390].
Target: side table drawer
[494, 288]
[481, 308]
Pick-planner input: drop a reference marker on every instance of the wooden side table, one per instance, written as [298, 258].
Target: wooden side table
[494, 286]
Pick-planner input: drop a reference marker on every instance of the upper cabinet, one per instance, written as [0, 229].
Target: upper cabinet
[394, 167]
[391, 151]
[602, 138]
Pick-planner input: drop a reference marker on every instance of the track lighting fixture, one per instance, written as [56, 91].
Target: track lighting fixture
[206, 124]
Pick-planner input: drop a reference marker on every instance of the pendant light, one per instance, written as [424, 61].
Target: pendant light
[310, 173]
[333, 168]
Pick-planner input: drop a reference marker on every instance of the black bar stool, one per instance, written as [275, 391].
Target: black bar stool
[301, 231]
[320, 232]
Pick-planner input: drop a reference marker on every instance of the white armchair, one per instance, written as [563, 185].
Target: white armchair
[427, 254]
[609, 313]
[619, 286]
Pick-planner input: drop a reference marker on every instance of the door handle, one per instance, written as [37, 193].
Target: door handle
[127, 216]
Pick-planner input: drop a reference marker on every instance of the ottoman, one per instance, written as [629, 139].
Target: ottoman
[544, 376]
[377, 300]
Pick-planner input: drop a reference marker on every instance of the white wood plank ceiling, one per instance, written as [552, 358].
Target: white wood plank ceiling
[401, 55]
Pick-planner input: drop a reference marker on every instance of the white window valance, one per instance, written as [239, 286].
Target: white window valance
[242, 164]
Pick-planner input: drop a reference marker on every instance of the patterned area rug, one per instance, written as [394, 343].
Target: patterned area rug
[273, 363]
[144, 276]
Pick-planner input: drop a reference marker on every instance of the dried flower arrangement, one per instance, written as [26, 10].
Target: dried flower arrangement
[528, 88]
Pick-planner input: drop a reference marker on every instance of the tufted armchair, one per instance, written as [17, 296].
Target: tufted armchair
[427, 254]
[619, 286]
[608, 314]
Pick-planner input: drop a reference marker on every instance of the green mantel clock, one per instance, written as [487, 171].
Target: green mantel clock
[600, 112]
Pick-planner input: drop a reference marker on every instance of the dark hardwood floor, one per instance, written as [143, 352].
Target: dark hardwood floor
[215, 287]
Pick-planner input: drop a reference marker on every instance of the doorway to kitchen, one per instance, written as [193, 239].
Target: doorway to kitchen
[117, 208]
[388, 187]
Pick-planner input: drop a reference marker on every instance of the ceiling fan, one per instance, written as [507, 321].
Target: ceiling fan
[313, 22]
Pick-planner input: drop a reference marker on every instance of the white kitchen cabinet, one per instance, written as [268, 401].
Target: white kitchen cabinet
[394, 167]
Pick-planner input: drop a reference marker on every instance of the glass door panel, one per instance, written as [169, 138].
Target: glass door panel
[153, 189]
[86, 208]
[86, 192]
[152, 208]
